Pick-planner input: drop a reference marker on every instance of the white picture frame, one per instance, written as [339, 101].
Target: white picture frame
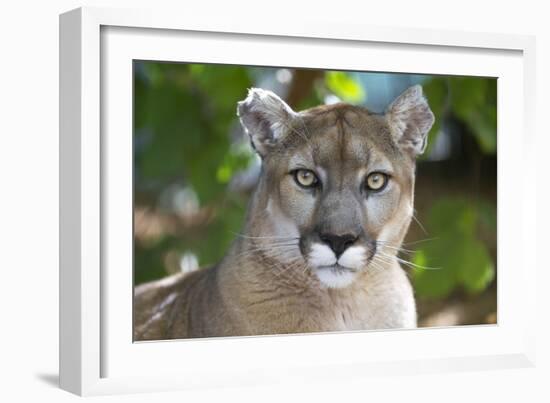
[97, 355]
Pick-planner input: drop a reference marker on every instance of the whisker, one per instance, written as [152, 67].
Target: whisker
[382, 258]
[395, 248]
[410, 264]
[288, 247]
[263, 237]
[257, 247]
[288, 268]
[263, 244]
[420, 224]
[374, 264]
[420, 241]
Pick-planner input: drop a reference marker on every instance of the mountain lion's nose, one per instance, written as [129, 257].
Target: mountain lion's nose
[338, 243]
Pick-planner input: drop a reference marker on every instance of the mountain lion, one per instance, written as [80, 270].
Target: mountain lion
[318, 250]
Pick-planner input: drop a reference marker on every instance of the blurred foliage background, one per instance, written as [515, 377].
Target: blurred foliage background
[194, 172]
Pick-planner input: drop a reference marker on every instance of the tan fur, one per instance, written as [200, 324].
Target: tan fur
[266, 284]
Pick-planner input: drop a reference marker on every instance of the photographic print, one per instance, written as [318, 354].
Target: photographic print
[279, 200]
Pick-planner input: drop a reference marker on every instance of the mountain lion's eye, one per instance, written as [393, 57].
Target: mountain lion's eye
[305, 178]
[377, 181]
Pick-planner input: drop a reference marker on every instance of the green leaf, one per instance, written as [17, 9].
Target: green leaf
[487, 214]
[474, 102]
[431, 283]
[470, 99]
[237, 159]
[452, 215]
[185, 115]
[477, 268]
[189, 110]
[455, 257]
[345, 87]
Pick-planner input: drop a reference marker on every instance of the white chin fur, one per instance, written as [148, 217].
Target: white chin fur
[335, 278]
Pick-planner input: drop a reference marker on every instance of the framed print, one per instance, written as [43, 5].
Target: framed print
[244, 197]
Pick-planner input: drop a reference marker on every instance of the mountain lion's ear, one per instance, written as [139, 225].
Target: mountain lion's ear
[265, 117]
[410, 119]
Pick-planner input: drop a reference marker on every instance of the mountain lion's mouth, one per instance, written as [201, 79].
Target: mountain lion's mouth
[336, 268]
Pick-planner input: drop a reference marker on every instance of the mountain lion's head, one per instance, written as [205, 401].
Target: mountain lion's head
[337, 185]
